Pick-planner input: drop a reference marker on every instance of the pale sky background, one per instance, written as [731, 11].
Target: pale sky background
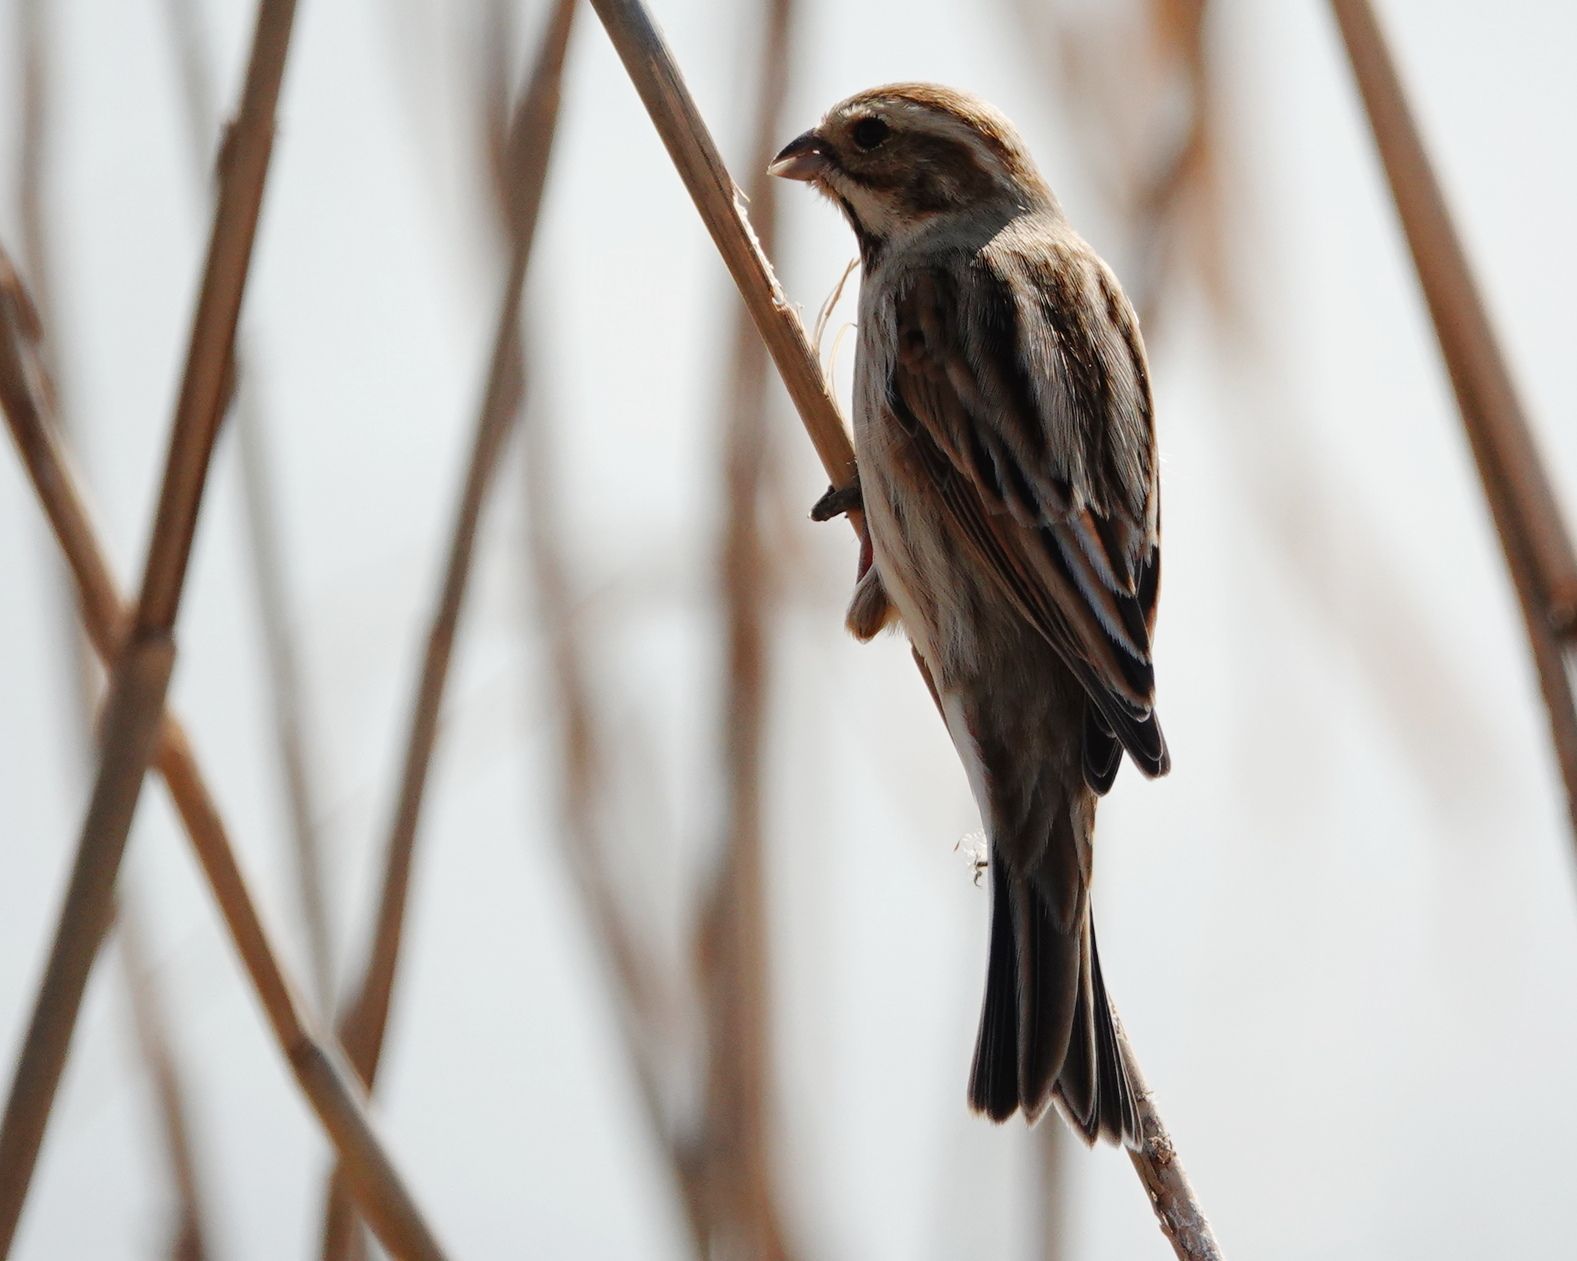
[1343, 933]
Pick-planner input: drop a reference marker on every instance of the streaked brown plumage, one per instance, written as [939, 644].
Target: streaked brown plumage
[1008, 474]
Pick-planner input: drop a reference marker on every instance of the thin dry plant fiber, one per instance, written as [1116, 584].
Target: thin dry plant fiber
[661, 87]
[189, 1234]
[284, 688]
[140, 676]
[530, 143]
[328, 1086]
[1534, 537]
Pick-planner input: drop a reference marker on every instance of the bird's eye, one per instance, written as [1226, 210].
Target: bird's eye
[870, 132]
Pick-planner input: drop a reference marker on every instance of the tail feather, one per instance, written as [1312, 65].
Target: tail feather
[1048, 983]
[993, 1082]
[1078, 1084]
[1096, 1095]
[1119, 1104]
[1046, 1028]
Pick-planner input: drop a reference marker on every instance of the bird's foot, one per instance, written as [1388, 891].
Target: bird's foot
[838, 501]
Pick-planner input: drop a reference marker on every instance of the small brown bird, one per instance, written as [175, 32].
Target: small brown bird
[1003, 426]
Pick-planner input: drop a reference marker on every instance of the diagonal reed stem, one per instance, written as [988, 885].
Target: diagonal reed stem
[265, 552]
[157, 1057]
[530, 144]
[140, 677]
[319, 1069]
[1534, 538]
[661, 87]
[718, 200]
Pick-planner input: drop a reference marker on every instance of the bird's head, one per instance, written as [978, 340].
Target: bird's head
[897, 158]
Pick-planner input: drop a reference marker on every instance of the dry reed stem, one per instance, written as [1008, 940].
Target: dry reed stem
[718, 200]
[265, 553]
[329, 1087]
[743, 1215]
[1533, 536]
[662, 90]
[530, 143]
[130, 727]
[188, 1238]
[1172, 1196]
[243, 170]
[77, 653]
[140, 676]
[719, 1169]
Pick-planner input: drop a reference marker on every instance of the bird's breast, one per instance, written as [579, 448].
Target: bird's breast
[941, 593]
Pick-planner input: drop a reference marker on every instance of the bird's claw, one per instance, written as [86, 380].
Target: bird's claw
[838, 501]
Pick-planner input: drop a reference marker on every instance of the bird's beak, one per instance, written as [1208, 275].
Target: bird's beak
[803, 158]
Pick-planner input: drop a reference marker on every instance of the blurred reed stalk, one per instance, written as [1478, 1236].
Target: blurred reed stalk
[720, 1163]
[529, 147]
[643, 1001]
[265, 552]
[140, 676]
[188, 1238]
[1178, 198]
[1533, 536]
[318, 1067]
[1138, 90]
[733, 951]
[77, 660]
[717, 1206]
[661, 87]
[33, 147]
[642, 998]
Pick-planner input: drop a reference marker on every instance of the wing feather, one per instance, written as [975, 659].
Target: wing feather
[1032, 417]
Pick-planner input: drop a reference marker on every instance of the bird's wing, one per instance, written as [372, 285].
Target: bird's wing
[1022, 383]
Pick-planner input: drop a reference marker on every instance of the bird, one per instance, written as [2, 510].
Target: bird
[1007, 473]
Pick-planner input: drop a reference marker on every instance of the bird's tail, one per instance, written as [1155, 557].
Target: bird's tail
[1046, 1029]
